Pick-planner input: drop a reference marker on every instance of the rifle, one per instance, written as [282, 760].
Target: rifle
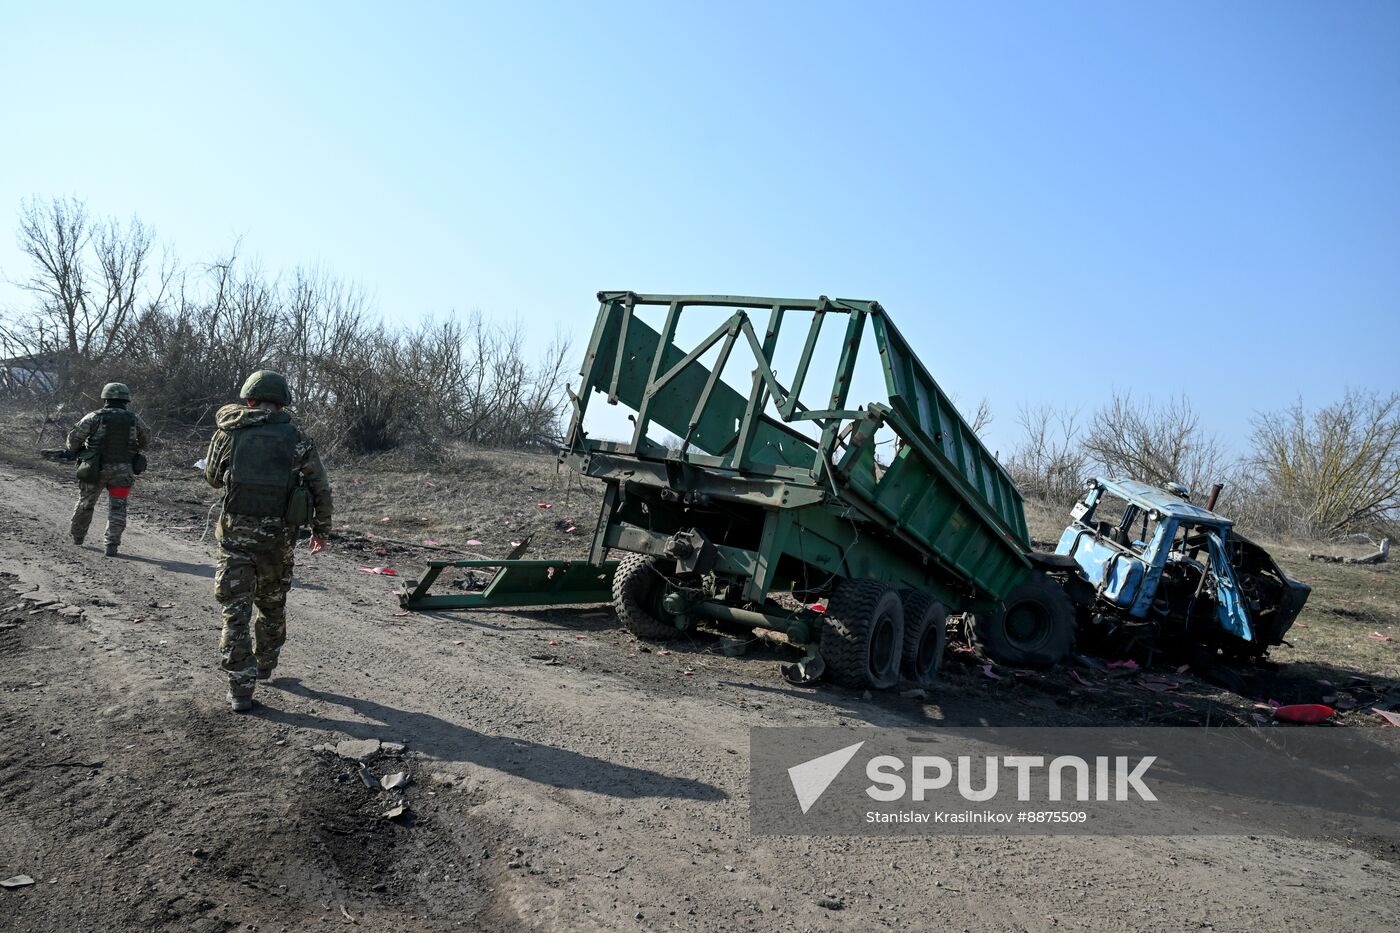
[58, 453]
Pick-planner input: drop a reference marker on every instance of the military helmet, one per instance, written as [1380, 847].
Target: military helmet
[266, 386]
[117, 390]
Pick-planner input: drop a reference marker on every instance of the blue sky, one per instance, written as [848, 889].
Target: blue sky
[1053, 200]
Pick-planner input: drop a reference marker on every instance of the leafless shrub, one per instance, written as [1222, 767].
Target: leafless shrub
[1050, 463]
[186, 339]
[1335, 470]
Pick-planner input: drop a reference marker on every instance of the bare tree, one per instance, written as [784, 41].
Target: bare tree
[1337, 469]
[1050, 463]
[87, 278]
[1155, 443]
[981, 416]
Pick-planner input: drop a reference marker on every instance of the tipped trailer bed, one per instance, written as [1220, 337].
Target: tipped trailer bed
[771, 514]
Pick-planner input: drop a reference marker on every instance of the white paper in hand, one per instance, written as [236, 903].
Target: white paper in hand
[201, 463]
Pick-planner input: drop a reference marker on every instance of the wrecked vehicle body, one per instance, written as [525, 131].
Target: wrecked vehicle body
[1168, 575]
[729, 500]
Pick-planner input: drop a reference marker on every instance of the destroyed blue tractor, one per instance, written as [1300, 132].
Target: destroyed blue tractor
[1159, 572]
[852, 534]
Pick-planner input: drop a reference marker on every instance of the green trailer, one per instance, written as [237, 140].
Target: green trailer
[853, 531]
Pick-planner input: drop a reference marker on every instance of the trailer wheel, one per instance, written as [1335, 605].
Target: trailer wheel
[863, 635]
[1033, 627]
[638, 587]
[925, 637]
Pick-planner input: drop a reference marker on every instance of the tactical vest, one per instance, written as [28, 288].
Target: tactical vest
[260, 474]
[114, 438]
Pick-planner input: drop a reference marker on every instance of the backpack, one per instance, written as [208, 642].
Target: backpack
[111, 443]
[262, 481]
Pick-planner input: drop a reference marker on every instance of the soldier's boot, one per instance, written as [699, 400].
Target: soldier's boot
[78, 539]
[239, 703]
[111, 550]
[265, 673]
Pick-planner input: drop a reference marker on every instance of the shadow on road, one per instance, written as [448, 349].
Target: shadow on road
[449, 741]
[174, 566]
[201, 570]
[550, 619]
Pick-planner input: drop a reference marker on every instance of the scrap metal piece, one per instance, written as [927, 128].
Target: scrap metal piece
[805, 672]
[516, 583]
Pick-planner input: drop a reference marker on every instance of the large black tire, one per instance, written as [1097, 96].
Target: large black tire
[925, 637]
[638, 587]
[862, 637]
[1033, 627]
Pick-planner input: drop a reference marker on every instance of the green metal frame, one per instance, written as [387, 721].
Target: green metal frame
[943, 516]
[944, 497]
[516, 583]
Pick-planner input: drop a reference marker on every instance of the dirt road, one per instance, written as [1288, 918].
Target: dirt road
[563, 778]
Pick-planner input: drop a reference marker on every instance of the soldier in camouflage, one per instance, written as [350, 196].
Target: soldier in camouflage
[273, 484]
[107, 443]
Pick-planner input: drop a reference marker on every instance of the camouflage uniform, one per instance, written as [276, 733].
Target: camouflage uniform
[116, 478]
[254, 569]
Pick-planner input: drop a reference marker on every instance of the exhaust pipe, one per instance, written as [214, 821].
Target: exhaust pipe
[1214, 496]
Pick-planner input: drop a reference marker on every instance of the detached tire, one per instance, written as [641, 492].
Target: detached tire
[638, 587]
[925, 637]
[1033, 627]
[862, 638]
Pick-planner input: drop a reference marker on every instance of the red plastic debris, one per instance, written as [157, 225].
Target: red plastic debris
[545, 505]
[385, 571]
[385, 520]
[988, 672]
[1128, 665]
[571, 529]
[664, 651]
[553, 641]
[472, 542]
[1308, 713]
[355, 481]
[687, 673]
[579, 637]
[1379, 637]
[1387, 715]
[431, 542]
